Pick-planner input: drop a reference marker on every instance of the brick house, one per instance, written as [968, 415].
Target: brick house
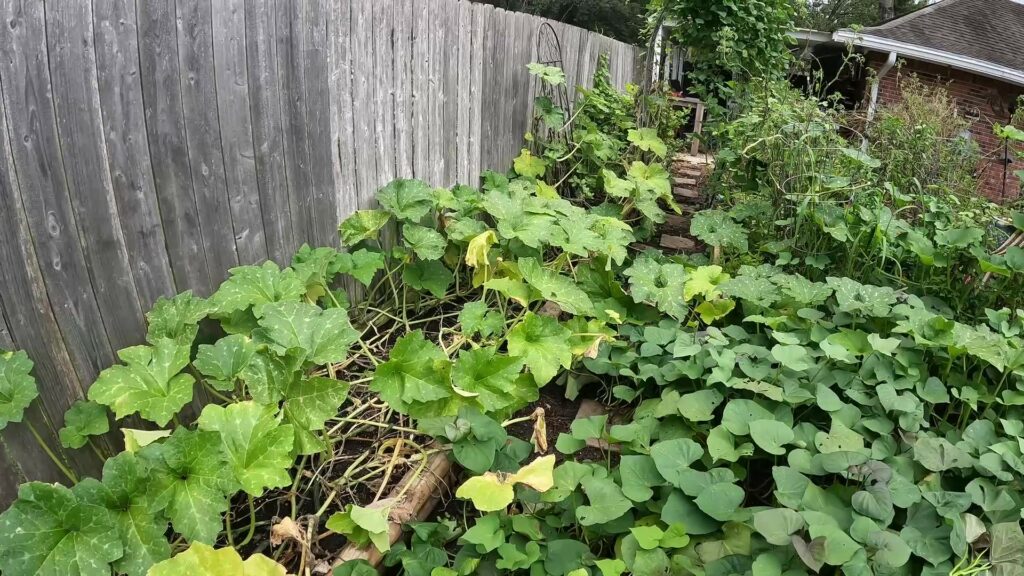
[974, 48]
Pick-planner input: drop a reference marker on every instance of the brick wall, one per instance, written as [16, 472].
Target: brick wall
[987, 100]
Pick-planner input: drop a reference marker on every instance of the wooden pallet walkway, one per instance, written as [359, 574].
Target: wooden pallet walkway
[690, 174]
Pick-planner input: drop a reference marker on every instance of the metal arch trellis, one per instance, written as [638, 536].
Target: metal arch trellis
[549, 53]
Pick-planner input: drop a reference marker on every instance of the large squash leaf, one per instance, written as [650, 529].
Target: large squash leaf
[225, 360]
[408, 200]
[323, 336]
[191, 481]
[543, 344]
[555, 287]
[82, 420]
[53, 531]
[416, 379]
[176, 318]
[492, 379]
[151, 382]
[123, 493]
[255, 286]
[17, 386]
[309, 402]
[258, 445]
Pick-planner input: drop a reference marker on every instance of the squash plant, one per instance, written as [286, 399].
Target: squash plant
[448, 324]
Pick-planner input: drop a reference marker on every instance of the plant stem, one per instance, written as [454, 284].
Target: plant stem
[252, 523]
[46, 448]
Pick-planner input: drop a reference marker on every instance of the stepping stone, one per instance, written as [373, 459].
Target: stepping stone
[684, 181]
[678, 243]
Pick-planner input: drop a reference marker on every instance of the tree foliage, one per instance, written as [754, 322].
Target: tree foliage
[620, 19]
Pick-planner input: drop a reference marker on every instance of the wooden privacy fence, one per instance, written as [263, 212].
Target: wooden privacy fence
[147, 146]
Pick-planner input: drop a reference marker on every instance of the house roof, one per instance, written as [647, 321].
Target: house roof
[988, 30]
[985, 37]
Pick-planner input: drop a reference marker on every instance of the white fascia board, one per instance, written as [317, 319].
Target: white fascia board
[915, 52]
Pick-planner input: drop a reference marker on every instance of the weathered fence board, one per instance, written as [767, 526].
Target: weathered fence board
[127, 148]
[165, 128]
[76, 104]
[148, 147]
[268, 126]
[203, 142]
[232, 89]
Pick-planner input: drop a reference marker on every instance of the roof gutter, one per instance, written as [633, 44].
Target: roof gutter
[916, 52]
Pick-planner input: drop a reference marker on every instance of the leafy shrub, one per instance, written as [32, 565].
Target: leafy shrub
[812, 202]
[921, 143]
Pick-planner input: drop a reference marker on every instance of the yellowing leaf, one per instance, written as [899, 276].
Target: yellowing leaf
[528, 165]
[203, 560]
[491, 491]
[135, 440]
[476, 254]
[488, 492]
[703, 281]
[538, 474]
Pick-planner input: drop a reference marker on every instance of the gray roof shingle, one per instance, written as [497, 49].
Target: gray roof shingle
[990, 30]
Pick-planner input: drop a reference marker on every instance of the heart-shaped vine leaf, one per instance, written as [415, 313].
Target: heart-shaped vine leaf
[491, 491]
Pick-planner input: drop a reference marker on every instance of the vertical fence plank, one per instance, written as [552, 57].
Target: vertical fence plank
[361, 33]
[490, 88]
[324, 201]
[421, 89]
[29, 319]
[342, 141]
[203, 141]
[383, 88]
[402, 86]
[476, 79]
[435, 91]
[76, 105]
[35, 146]
[451, 101]
[16, 443]
[128, 158]
[235, 124]
[165, 125]
[268, 127]
[526, 33]
[293, 99]
[464, 71]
